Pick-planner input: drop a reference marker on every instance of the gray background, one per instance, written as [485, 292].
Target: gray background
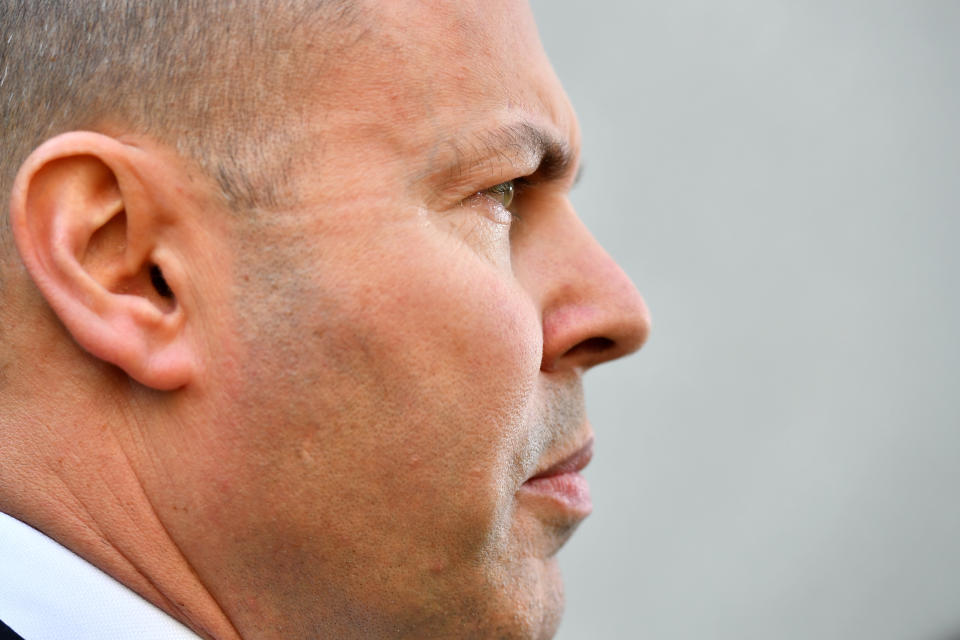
[781, 180]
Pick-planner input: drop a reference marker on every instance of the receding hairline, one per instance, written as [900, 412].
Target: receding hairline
[203, 76]
[208, 78]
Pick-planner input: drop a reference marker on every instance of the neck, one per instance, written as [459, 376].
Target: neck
[73, 480]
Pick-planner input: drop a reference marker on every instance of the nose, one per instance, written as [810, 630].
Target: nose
[591, 311]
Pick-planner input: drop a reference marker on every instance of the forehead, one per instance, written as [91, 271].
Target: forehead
[471, 47]
[423, 75]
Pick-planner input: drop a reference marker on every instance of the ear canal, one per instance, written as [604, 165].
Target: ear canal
[159, 282]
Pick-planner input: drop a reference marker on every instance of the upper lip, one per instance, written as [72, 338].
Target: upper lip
[573, 463]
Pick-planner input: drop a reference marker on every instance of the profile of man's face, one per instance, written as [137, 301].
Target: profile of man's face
[395, 415]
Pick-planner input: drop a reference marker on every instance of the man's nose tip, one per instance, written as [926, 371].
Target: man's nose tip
[608, 320]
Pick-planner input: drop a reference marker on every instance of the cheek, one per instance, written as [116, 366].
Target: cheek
[416, 381]
[386, 403]
[457, 345]
[411, 384]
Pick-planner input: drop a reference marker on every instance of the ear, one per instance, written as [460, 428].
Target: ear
[97, 246]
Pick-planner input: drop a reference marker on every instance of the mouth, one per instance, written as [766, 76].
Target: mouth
[563, 486]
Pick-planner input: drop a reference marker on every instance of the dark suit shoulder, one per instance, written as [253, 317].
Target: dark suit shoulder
[6, 633]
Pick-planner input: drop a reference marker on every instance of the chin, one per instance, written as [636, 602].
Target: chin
[524, 586]
[548, 609]
[521, 599]
[529, 606]
[551, 603]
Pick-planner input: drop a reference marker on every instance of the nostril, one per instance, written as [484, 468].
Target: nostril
[591, 347]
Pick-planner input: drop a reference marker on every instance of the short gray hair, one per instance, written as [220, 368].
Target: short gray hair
[206, 76]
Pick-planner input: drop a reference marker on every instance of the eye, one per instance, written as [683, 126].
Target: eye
[496, 201]
[502, 193]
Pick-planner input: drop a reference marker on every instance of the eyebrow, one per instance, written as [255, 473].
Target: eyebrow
[523, 145]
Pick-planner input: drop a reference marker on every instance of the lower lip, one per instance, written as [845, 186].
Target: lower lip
[569, 490]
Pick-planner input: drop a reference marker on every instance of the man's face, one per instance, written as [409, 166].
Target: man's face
[405, 353]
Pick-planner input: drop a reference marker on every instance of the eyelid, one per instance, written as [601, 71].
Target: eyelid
[520, 185]
[496, 210]
[490, 206]
[458, 195]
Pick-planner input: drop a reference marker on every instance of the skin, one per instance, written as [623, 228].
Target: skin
[333, 419]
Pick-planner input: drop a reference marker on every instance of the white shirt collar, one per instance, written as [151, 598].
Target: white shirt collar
[47, 592]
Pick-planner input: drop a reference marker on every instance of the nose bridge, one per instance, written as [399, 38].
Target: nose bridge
[591, 311]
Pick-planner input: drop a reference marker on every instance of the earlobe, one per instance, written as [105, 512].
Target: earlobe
[93, 242]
